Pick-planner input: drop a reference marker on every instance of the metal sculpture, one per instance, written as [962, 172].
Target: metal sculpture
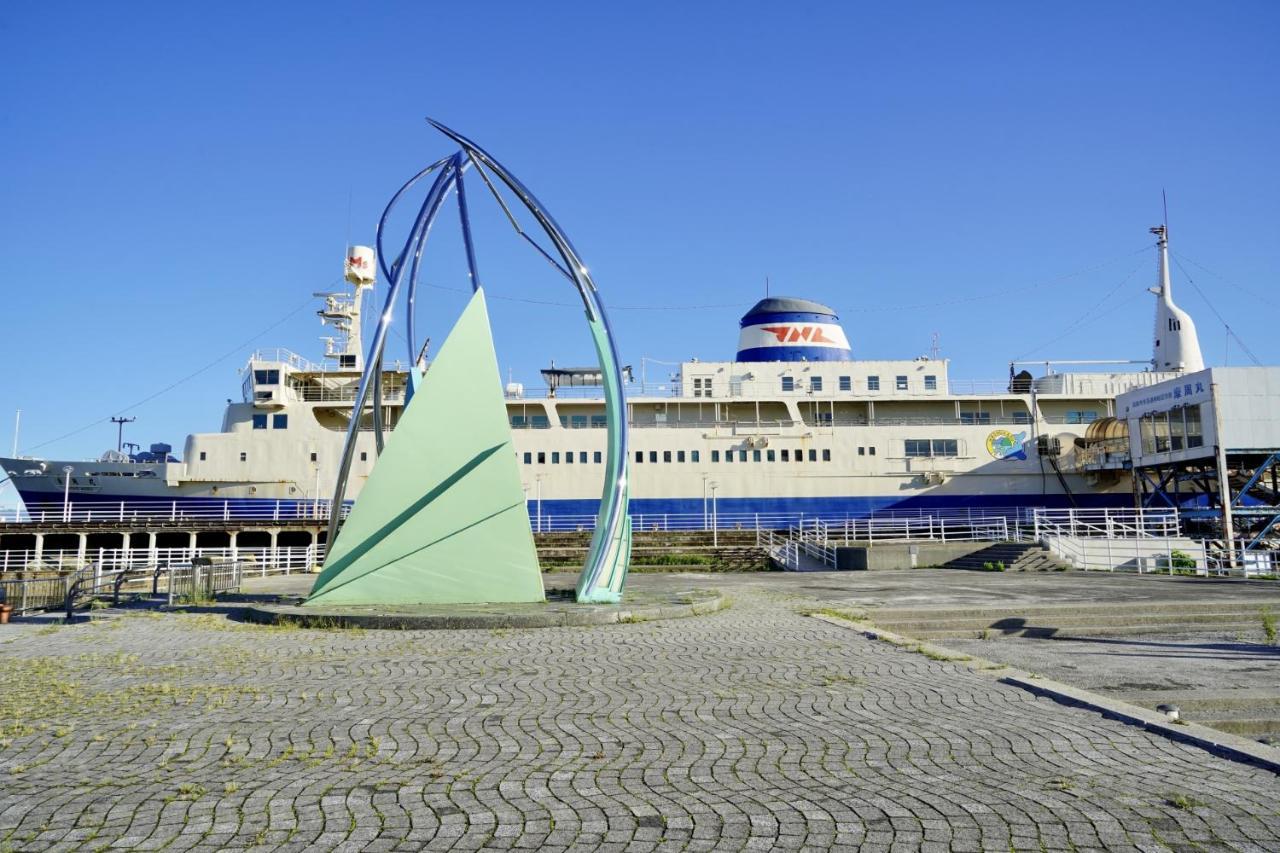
[605, 569]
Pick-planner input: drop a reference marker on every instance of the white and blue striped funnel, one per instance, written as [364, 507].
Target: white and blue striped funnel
[783, 328]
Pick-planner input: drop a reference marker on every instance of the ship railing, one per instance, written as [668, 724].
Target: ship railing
[342, 395]
[1106, 523]
[48, 563]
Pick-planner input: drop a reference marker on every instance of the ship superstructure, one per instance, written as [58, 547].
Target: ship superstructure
[794, 424]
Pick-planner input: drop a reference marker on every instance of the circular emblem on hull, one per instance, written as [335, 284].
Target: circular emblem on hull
[1002, 444]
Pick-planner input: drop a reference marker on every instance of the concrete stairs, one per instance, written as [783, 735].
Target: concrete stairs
[1249, 712]
[1016, 556]
[731, 550]
[1085, 620]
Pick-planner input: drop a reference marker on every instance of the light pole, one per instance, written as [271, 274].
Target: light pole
[715, 519]
[537, 497]
[66, 492]
[704, 501]
[120, 422]
[315, 494]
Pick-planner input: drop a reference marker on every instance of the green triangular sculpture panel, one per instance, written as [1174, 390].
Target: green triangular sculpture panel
[442, 519]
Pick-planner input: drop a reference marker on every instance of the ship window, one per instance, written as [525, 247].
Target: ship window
[931, 383]
[862, 451]
[555, 457]
[715, 456]
[1022, 417]
[666, 456]
[279, 421]
[826, 455]
[702, 386]
[540, 422]
[1195, 433]
[313, 457]
[846, 384]
[202, 456]
[786, 455]
[1081, 417]
[742, 455]
[917, 446]
[770, 456]
[679, 455]
[871, 451]
[364, 456]
[799, 455]
[598, 421]
[519, 421]
[755, 456]
[639, 456]
[568, 458]
[244, 457]
[728, 456]
[582, 457]
[813, 456]
[900, 383]
[598, 457]
[564, 421]
[975, 417]
[653, 456]
[788, 383]
[528, 458]
[347, 362]
[578, 421]
[259, 421]
[693, 456]
[873, 383]
[815, 383]
[542, 457]
[266, 377]
[945, 447]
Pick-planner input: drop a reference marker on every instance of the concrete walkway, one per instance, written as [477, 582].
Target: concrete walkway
[755, 727]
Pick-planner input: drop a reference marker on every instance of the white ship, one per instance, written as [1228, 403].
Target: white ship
[793, 424]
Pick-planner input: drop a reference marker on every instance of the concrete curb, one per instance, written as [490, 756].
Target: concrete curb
[1219, 743]
[569, 616]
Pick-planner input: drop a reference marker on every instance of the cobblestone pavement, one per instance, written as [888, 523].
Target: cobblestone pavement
[753, 728]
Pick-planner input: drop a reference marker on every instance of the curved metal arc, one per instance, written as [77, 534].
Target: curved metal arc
[418, 240]
[514, 222]
[373, 361]
[391, 205]
[611, 518]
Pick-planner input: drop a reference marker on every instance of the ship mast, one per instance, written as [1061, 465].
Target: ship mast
[1176, 347]
[342, 310]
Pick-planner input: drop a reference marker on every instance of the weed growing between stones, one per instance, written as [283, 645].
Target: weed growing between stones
[1268, 625]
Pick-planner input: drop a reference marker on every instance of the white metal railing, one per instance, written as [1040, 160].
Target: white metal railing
[1163, 555]
[782, 549]
[940, 528]
[814, 539]
[247, 509]
[1106, 523]
[257, 562]
[265, 510]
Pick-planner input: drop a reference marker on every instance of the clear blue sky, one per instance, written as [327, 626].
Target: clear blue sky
[177, 178]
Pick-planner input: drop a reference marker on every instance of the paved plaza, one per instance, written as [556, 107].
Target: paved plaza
[756, 727]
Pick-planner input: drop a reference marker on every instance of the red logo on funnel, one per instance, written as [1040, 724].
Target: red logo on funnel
[796, 334]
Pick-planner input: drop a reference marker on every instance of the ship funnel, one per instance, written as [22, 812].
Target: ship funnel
[360, 268]
[784, 328]
[1177, 347]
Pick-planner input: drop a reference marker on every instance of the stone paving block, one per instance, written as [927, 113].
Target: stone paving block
[754, 727]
